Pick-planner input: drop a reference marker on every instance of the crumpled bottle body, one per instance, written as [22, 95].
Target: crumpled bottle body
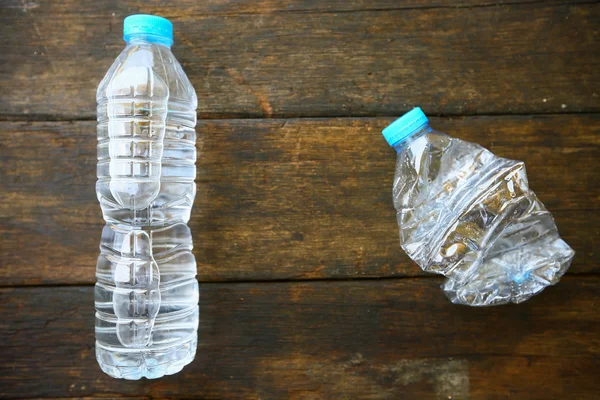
[470, 215]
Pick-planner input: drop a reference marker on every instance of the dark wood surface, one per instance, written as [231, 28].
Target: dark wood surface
[280, 199]
[326, 61]
[305, 293]
[377, 339]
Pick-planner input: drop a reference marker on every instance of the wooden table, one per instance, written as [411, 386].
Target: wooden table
[305, 293]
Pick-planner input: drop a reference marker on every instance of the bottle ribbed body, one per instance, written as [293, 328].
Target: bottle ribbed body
[146, 139]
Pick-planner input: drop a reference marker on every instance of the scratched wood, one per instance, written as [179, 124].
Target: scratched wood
[316, 58]
[278, 199]
[288, 196]
[192, 7]
[383, 339]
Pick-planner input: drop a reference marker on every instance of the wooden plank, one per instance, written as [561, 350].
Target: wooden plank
[250, 61]
[220, 7]
[278, 199]
[382, 339]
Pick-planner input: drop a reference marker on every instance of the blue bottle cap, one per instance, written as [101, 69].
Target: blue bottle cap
[150, 26]
[405, 126]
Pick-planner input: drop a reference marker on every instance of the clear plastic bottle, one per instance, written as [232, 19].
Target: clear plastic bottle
[146, 291]
[470, 215]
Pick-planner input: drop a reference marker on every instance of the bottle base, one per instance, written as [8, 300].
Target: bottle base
[147, 363]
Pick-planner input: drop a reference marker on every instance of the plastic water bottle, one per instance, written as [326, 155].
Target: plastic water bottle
[146, 291]
[470, 215]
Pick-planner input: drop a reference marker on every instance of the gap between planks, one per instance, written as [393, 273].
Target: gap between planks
[488, 4]
[256, 117]
[579, 276]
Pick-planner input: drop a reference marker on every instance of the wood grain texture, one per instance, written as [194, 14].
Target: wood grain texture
[224, 7]
[278, 199]
[247, 60]
[385, 339]
[287, 198]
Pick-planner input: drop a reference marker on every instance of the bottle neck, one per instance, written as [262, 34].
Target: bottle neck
[418, 133]
[145, 39]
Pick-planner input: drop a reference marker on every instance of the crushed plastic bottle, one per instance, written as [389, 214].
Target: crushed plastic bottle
[146, 291]
[470, 215]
